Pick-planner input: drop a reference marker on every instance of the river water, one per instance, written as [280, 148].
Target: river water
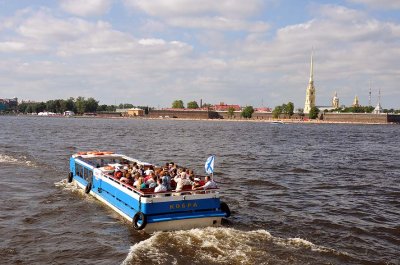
[299, 193]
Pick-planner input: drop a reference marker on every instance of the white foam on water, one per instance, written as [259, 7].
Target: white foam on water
[23, 160]
[221, 245]
[64, 184]
[212, 245]
[8, 159]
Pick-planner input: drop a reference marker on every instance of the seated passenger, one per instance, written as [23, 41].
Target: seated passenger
[127, 178]
[166, 180]
[149, 171]
[151, 182]
[181, 181]
[210, 184]
[118, 174]
[160, 187]
[196, 183]
[140, 183]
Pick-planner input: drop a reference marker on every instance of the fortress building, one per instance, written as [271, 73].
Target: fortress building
[310, 92]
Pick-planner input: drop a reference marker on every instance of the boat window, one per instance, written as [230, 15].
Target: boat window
[78, 170]
[87, 174]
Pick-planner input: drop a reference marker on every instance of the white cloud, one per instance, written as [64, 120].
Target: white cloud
[86, 7]
[381, 4]
[218, 23]
[172, 8]
[226, 15]
[11, 46]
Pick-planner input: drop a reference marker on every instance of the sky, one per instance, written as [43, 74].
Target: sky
[152, 52]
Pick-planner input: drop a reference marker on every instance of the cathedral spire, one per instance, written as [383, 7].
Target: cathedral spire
[310, 92]
[312, 67]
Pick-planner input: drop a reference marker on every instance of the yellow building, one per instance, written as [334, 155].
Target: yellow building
[135, 112]
[355, 102]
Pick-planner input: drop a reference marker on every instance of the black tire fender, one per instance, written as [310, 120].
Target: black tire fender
[88, 187]
[225, 208]
[139, 216]
[70, 177]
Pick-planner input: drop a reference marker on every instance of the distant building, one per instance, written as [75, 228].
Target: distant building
[133, 112]
[225, 107]
[335, 101]
[68, 113]
[356, 102]
[310, 92]
[378, 109]
[8, 103]
[263, 109]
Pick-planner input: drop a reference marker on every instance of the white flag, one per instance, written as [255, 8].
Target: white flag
[209, 166]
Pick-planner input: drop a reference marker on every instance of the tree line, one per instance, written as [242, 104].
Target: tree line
[78, 105]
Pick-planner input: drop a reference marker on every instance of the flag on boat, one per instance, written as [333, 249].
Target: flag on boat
[209, 166]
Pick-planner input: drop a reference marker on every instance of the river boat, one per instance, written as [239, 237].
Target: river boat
[277, 122]
[146, 209]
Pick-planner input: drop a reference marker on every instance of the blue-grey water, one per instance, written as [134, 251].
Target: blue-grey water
[299, 193]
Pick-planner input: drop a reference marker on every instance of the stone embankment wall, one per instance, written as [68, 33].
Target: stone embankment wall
[356, 117]
[183, 114]
[329, 117]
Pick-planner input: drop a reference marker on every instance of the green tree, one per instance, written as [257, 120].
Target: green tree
[290, 109]
[91, 105]
[70, 104]
[231, 112]
[80, 105]
[192, 105]
[178, 104]
[277, 112]
[247, 112]
[313, 113]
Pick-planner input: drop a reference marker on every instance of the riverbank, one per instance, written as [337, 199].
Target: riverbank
[277, 122]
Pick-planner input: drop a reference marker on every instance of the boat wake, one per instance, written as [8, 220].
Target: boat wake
[220, 246]
[16, 160]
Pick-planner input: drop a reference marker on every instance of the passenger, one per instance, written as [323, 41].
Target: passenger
[118, 174]
[127, 178]
[140, 183]
[166, 180]
[181, 181]
[210, 184]
[191, 173]
[151, 182]
[196, 184]
[160, 186]
[141, 170]
[149, 171]
[136, 177]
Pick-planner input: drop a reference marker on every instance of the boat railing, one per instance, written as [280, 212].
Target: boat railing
[151, 193]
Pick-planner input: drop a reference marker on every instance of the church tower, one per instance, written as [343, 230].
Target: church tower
[355, 102]
[310, 92]
[335, 101]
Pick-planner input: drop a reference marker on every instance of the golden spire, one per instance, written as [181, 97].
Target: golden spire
[312, 67]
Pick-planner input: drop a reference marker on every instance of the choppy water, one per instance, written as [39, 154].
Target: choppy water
[299, 193]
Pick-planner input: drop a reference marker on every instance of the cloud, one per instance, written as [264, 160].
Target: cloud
[224, 15]
[86, 7]
[381, 4]
[173, 8]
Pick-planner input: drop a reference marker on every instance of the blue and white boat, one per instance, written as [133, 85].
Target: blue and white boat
[147, 210]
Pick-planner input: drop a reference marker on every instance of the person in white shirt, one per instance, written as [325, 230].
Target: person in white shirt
[210, 184]
[149, 171]
[160, 187]
[181, 181]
